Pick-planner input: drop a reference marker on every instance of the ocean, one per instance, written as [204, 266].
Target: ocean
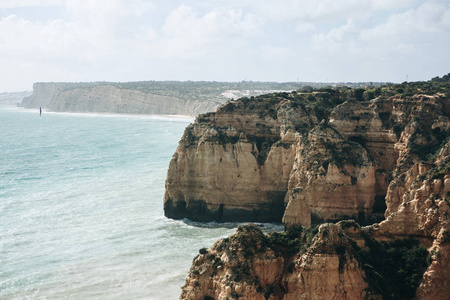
[81, 208]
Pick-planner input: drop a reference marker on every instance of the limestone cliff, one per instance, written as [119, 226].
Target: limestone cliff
[403, 257]
[366, 153]
[235, 164]
[146, 97]
[110, 98]
[330, 261]
[305, 158]
[13, 98]
[250, 265]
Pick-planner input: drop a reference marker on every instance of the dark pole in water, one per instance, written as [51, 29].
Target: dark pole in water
[40, 111]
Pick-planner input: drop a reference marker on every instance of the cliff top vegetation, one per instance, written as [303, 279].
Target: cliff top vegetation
[205, 90]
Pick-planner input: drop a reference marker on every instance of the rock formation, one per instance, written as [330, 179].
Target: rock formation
[108, 98]
[304, 158]
[331, 155]
[250, 265]
[145, 97]
[403, 257]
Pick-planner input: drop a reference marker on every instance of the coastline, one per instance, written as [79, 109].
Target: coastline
[177, 118]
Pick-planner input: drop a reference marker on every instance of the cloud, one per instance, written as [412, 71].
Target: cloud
[92, 31]
[29, 40]
[21, 74]
[28, 3]
[90, 34]
[234, 39]
[432, 16]
[186, 33]
[277, 53]
[392, 4]
[415, 38]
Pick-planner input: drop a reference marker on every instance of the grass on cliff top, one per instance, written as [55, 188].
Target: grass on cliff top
[323, 100]
[295, 239]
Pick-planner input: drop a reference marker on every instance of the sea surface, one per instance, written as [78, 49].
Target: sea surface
[81, 208]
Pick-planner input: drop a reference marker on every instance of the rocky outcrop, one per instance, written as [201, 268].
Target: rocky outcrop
[403, 257]
[234, 165]
[333, 178]
[330, 261]
[108, 98]
[424, 213]
[250, 265]
[304, 158]
[357, 159]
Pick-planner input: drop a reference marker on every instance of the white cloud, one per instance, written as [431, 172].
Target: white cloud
[392, 4]
[413, 26]
[19, 75]
[25, 3]
[91, 32]
[186, 33]
[407, 40]
[236, 39]
[276, 53]
[26, 39]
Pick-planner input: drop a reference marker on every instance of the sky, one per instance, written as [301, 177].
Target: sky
[215, 40]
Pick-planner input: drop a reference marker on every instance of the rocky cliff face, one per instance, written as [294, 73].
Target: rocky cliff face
[235, 164]
[304, 158]
[360, 158]
[403, 257]
[250, 265]
[108, 98]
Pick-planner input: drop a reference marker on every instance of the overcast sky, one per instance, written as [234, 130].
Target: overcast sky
[229, 40]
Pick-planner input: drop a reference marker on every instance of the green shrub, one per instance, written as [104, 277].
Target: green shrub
[394, 270]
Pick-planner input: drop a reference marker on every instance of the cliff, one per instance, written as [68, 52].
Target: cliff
[374, 155]
[145, 97]
[306, 158]
[403, 257]
[108, 98]
[13, 98]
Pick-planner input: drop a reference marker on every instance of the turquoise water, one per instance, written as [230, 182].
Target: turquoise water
[81, 208]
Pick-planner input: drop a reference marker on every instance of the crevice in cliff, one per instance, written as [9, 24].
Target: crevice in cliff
[263, 146]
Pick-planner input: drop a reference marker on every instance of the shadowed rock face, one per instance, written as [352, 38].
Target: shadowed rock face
[303, 158]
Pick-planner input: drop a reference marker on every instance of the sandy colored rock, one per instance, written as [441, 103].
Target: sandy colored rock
[262, 272]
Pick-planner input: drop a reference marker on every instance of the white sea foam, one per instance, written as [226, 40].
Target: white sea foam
[176, 118]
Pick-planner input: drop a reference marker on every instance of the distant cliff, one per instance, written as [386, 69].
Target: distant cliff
[13, 98]
[105, 98]
[146, 97]
[308, 158]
